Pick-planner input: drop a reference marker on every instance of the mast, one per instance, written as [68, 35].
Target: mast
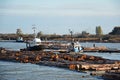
[34, 28]
[71, 32]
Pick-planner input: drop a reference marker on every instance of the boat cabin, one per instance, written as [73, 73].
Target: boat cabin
[35, 42]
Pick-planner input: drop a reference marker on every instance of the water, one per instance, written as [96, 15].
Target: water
[12, 45]
[28, 71]
[21, 71]
[113, 56]
[108, 45]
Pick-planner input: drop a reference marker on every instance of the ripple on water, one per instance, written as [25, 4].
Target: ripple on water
[27, 71]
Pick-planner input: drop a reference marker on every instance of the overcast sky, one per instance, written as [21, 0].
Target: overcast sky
[58, 16]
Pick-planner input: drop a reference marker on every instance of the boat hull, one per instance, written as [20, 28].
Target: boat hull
[36, 48]
[19, 41]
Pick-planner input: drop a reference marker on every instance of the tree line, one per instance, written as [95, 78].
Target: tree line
[113, 36]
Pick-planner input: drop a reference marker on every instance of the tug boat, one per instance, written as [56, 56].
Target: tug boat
[19, 39]
[76, 47]
[34, 45]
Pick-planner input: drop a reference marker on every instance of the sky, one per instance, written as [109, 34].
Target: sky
[58, 16]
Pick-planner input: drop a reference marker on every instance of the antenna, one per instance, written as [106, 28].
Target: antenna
[71, 32]
[34, 30]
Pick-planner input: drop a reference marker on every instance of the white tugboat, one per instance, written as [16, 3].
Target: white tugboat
[77, 47]
[35, 44]
[19, 39]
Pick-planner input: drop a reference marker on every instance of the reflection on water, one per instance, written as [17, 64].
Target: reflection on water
[27, 71]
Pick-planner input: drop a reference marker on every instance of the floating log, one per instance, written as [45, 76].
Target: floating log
[112, 74]
[101, 49]
[70, 61]
[97, 73]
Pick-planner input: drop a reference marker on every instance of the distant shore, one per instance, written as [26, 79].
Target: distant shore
[7, 40]
[78, 39]
[67, 37]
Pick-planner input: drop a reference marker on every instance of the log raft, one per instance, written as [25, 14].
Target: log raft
[112, 74]
[77, 62]
[101, 49]
[63, 48]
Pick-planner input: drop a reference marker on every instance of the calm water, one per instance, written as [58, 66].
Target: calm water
[12, 45]
[113, 56]
[108, 45]
[21, 71]
[27, 71]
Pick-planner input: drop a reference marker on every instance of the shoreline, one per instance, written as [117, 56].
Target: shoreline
[83, 41]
